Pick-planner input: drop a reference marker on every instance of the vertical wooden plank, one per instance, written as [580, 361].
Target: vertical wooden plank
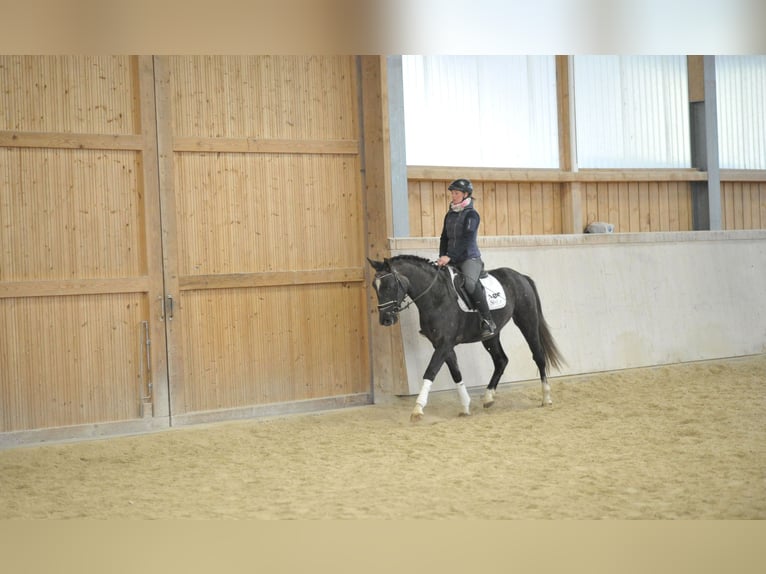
[573, 202]
[557, 209]
[623, 193]
[673, 199]
[501, 206]
[762, 203]
[643, 206]
[654, 206]
[548, 208]
[525, 209]
[602, 201]
[167, 195]
[727, 206]
[413, 203]
[441, 203]
[613, 202]
[564, 113]
[747, 209]
[488, 208]
[738, 205]
[427, 214]
[147, 119]
[591, 202]
[537, 208]
[387, 365]
[514, 209]
[634, 206]
[664, 205]
[572, 213]
[684, 206]
[756, 204]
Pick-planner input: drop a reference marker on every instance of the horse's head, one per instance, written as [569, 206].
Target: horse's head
[391, 289]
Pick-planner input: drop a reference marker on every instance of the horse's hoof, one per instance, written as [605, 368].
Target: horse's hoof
[489, 403]
[463, 414]
[416, 417]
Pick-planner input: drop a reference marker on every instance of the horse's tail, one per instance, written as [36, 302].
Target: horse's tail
[553, 357]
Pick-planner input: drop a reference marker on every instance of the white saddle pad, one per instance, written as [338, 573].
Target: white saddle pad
[492, 289]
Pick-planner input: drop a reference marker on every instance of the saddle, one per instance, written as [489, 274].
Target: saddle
[492, 290]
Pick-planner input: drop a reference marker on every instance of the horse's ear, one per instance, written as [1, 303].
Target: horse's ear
[377, 265]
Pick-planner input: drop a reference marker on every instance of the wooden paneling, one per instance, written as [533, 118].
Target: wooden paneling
[71, 360]
[639, 206]
[70, 214]
[743, 205]
[265, 345]
[506, 208]
[267, 212]
[79, 279]
[231, 185]
[537, 207]
[268, 97]
[263, 220]
[69, 94]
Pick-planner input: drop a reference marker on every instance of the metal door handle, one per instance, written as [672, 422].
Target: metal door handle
[170, 307]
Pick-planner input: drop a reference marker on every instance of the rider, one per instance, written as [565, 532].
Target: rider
[458, 246]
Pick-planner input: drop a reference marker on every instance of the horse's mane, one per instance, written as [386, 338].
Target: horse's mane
[414, 259]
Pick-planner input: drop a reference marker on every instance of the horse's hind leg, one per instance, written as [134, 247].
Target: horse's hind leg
[500, 360]
[462, 392]
[529, 327]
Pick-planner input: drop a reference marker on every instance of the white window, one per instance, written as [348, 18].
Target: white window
[480, 111]
[632, 112]
[741, 99]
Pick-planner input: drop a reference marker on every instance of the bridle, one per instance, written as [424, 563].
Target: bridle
[393, 306]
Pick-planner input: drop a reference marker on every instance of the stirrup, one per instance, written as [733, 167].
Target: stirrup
[488, 328]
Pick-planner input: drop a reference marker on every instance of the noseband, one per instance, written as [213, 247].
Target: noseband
[393, 305]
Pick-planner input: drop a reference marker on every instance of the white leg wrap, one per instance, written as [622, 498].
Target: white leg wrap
[546, 394]
[465, 400]
[422, 399]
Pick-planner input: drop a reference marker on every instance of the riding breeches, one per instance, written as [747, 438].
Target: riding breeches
[471, 269]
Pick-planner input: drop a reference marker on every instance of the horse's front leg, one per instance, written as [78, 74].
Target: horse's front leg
[462, 392]
[436, 362]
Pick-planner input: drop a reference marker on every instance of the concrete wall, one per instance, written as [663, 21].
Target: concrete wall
[618, 301]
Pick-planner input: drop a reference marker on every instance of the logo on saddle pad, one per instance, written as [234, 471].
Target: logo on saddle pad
[492, 289]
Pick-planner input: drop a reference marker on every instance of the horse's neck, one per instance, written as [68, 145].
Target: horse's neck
[419, 277]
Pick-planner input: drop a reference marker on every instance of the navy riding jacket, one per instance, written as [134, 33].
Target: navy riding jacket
[458, 239]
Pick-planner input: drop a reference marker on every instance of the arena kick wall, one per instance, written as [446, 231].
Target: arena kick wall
[618, 301]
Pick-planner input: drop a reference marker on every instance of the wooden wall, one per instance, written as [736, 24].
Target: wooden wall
[262, 173]
[78, 214]
[637, 206]
[539, 203]
[180, 236]
[743, 203]
[542, 202]
[506, 207]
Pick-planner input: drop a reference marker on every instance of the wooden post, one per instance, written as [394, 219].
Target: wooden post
[389, 373]
[571, 194]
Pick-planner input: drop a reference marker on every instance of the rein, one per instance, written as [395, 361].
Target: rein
[395, 303]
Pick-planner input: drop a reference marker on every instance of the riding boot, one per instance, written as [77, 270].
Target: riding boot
[479, 299]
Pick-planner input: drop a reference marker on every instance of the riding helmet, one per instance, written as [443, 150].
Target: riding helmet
[463, 185]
